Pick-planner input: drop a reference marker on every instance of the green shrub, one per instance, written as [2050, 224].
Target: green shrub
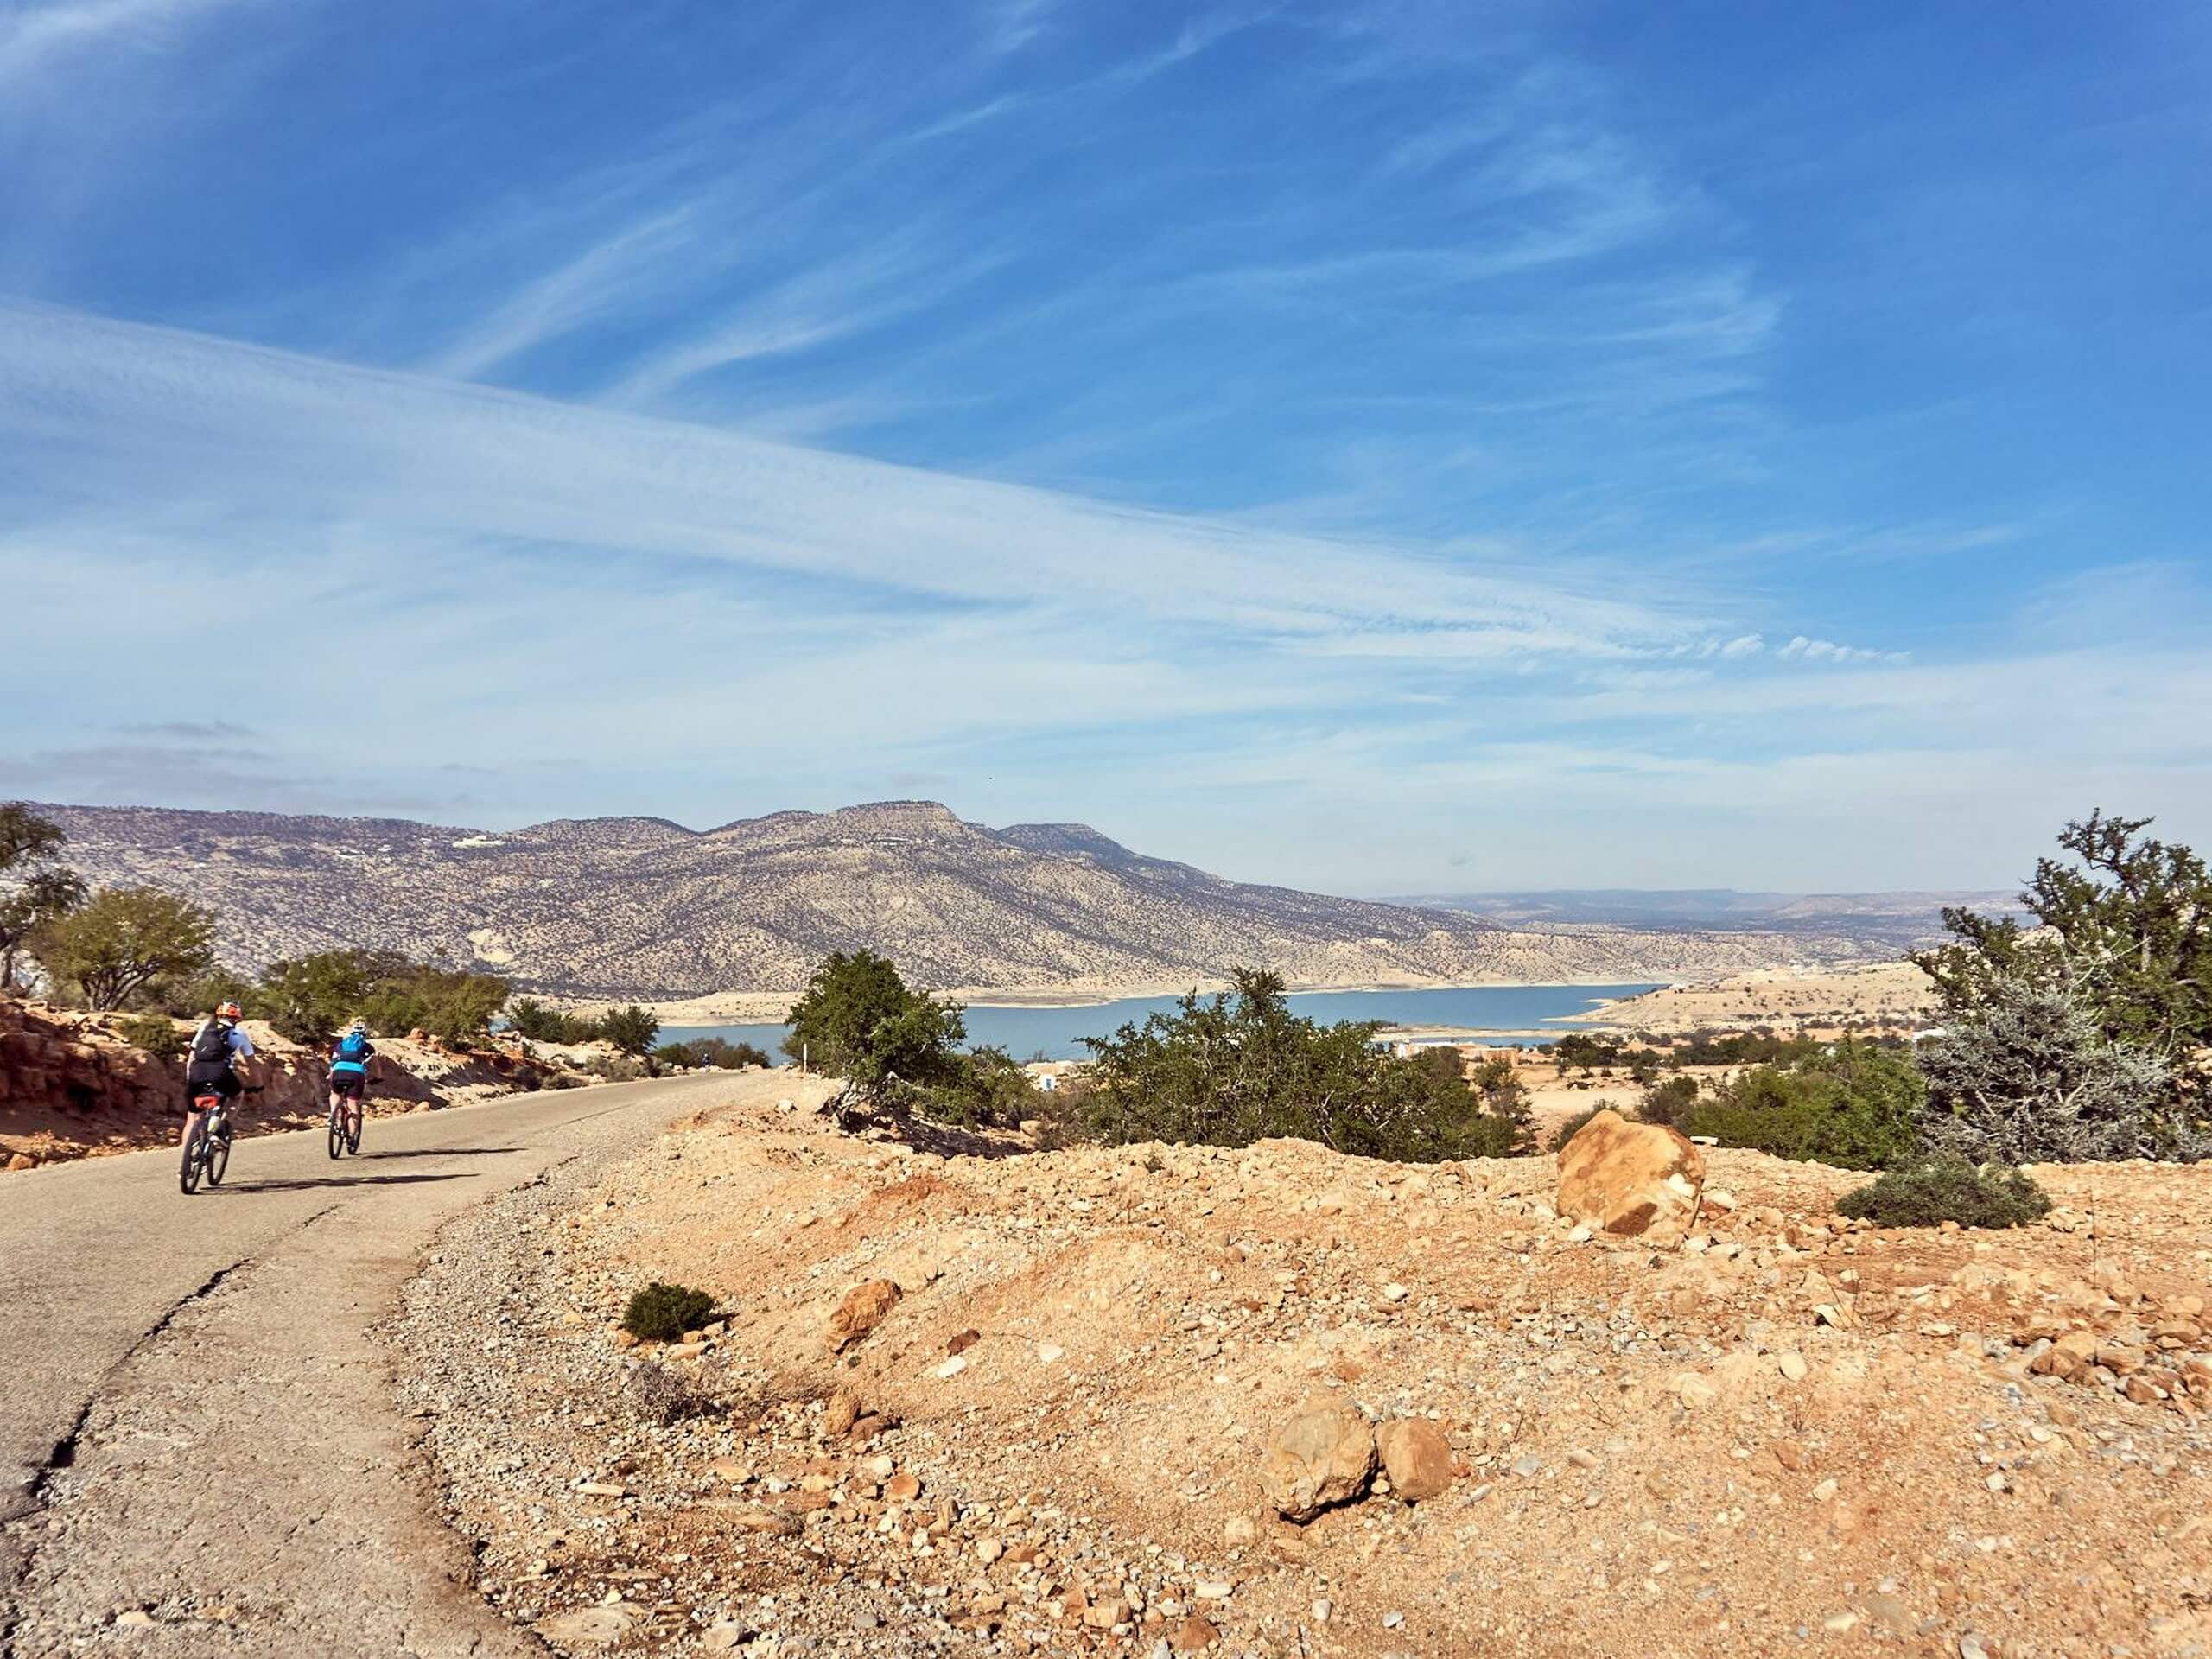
[155, 1033]
[631, 1029]
[1229, 1070]
[528, 1017]
[1939, 1190]
[1668, 1102]
[986, 1088]
[1852, 1105]
[662, 1313]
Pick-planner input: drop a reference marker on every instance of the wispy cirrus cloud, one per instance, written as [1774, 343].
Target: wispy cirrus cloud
[38, 35]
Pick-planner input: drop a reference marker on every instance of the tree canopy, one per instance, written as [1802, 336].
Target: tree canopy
[1233, 1068]
[2116, 971]
[34, 889]
[859, 1020]
[122, 942]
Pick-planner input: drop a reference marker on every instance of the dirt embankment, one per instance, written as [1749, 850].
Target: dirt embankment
[1047, 1425]
[70, 1087]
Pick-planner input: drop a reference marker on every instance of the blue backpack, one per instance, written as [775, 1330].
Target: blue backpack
[351, 1050]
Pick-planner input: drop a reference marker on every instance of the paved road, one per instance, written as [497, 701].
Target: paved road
[196, 1426]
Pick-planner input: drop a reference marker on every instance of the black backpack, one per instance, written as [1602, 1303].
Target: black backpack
[211, 1052]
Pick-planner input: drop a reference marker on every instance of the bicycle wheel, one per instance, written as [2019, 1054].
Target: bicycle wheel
[188, 1171]
[219, 1155]
[337, 1129]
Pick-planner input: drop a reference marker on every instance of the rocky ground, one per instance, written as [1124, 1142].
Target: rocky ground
[1056, 1402]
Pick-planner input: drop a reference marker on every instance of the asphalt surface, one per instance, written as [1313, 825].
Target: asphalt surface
[199, 1452]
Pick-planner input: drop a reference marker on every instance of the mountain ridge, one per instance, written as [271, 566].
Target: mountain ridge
[636, 906]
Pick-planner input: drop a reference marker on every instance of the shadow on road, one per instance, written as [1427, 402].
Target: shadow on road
[433, 1152]
[336, 1180]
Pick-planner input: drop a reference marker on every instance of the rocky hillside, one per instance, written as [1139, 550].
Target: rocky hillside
[623, 907]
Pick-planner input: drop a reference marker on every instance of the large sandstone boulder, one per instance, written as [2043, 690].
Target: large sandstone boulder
[1631, 1178]
[1316, 1460]
[1417, 1458]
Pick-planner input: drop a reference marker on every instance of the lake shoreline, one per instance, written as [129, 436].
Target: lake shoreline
[768, 1007]
[1519, 1015]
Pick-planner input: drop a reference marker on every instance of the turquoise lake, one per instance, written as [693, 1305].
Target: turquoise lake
[1056, 1033]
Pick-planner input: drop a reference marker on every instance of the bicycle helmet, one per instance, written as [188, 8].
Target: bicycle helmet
[228, 1011]
[358, 1028]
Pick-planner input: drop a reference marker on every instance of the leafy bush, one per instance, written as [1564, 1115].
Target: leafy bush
[1668, 1102]
[1230, 1069]
[1854, 1105]
[530, 1017]
[1579, 1050]
[725, 1056]
[859, 1020]
[308, 999]
[662, 1395]
[987, 1089]
[1942, 1189]
[663, 1312]
[614, 1068]
[2031, 1078]
[155, 1033]
[631, 1029]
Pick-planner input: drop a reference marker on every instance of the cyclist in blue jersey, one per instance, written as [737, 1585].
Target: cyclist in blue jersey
[349, 1073]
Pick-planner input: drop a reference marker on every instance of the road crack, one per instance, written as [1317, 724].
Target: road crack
[36, 1492]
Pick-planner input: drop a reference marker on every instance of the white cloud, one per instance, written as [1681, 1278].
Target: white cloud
[36, 34]
[127, 414]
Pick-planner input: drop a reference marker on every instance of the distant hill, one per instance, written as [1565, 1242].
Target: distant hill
[1898, 920]
[641, 907]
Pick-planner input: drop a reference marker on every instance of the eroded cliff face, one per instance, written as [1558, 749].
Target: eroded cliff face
[70, 1087]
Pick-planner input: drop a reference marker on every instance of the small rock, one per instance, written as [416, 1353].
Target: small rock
[1394, 1292]
[1696, 1390]
[1416, 1457]
[1322, 1609]
[866, 1305]
[951, 1368]
[1316, 1460]
[1792, 1366]
[1193, 1635]
[591, 1627]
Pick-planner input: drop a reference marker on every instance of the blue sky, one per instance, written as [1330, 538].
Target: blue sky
[1379, 447]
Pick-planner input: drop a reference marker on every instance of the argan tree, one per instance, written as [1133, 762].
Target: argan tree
[2110, 989]
[124, 940]
[34, 891]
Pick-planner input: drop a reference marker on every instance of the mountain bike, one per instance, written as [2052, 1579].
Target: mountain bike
[208, 1142]
[344, 1126]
